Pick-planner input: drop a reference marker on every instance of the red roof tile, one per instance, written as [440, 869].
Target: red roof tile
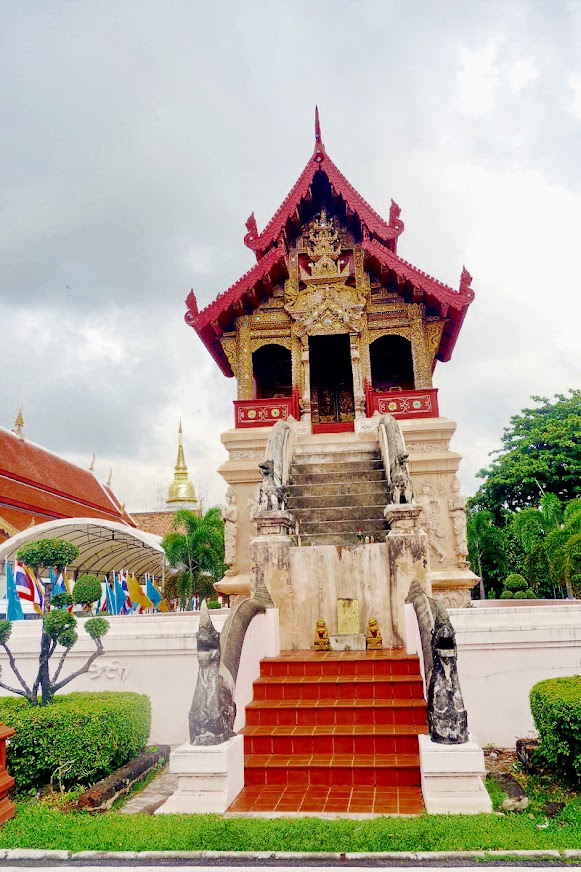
[35, 483]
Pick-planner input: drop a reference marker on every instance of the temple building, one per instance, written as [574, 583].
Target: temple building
[331, 325]
[181, 494]
[38, 486]
[332, 331]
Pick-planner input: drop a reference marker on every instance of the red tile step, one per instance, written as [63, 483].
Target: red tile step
[339, 770]
[362, 739]
[301, 687]
[293, 799]
[326, 712]
[328, 663]
[334, 732]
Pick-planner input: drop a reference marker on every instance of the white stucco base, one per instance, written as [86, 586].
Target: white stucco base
[452, 778]
[502, 653]
[150, 654]
[209, 778]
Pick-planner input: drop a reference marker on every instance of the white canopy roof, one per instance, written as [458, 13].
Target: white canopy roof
[103, 545]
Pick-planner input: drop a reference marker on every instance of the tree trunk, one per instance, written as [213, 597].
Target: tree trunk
[43, 670]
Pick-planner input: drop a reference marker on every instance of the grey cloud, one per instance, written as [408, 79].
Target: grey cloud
[139, 137]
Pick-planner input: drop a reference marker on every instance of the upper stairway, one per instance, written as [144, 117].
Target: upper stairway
[337, 486]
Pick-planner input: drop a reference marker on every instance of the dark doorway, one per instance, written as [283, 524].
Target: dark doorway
[392, 365]
[271, 366]
[331, 380]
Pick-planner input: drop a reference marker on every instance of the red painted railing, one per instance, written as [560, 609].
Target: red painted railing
[265, 413]
[402, 404]
[7, 808]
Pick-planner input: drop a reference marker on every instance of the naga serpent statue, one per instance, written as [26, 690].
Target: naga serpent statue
[447, 718]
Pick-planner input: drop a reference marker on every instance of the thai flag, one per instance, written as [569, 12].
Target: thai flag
[128, 605]
[28, 587]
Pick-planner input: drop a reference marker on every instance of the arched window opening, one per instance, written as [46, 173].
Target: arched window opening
[272, 370]
[392, 366]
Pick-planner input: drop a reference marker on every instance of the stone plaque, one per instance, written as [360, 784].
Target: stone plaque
[347, 616]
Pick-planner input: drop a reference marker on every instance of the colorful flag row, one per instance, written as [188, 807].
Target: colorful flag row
[121, 597]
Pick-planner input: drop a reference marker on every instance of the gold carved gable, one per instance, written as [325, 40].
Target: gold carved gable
[336, 308]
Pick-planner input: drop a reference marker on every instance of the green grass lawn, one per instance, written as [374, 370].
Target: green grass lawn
[37, 825]
[43, 824]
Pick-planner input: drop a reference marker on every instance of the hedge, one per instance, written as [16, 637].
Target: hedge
[78, 739]
[556, 710]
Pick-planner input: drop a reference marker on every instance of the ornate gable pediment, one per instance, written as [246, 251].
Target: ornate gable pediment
[317, 296]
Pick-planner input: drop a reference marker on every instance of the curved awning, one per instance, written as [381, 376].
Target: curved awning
[103, 545]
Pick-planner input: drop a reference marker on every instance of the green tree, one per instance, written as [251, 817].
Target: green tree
[563, 550]
[195, 548]
[58, 626]
[487, 548]
[531, 527]
[540, 454]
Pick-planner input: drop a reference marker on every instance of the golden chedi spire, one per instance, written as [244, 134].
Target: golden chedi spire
[181, 493]
[19, 423]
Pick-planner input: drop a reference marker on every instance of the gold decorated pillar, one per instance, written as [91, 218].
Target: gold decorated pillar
[296, 368]
[306, 380]
[364, 354]
[358, 392]
[244, 359]
[420, 354]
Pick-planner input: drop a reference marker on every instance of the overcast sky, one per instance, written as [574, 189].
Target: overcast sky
[137, 137]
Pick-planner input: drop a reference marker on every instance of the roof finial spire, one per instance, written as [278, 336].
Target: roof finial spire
[181, 493]
[319, 152]
[19, 423]
[92, 466]
[110, 479]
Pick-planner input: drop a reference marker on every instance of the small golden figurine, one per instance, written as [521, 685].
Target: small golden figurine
[374, 640]
[322, 637]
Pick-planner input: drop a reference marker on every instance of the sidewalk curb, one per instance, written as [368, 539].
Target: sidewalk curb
[135, 857]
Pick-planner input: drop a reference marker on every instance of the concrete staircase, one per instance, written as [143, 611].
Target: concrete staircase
[334, 732]
[338, 486]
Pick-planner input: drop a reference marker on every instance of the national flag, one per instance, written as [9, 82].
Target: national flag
[120, 598]
[137, 595]
[13, 607]
[152, 592]
[123, 579]
[103, 603]
[27, 586]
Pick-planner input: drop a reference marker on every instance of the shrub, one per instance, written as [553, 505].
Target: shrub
[506, 594]
[77, 739]
[213, 604]
[48, 552]
[520, 594]
[530, 593]
[556, 710]
[515, 582]
[87, 590]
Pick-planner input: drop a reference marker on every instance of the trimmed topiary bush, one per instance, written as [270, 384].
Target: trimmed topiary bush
[515, 582]
[556, 710]
[213, 604]
[87, 590]
[78, 739]
[507, 594]
[520, 594]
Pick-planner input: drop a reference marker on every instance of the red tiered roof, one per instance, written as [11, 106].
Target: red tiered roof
[271, 248]
[38, 486]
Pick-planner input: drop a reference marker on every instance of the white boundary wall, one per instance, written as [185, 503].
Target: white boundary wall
[150, 654]
[502, 653]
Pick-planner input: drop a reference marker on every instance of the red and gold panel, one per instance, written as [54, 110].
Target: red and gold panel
[261, 413]
[404, 404]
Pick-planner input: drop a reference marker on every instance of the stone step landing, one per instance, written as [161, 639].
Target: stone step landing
[337, 488]
[334, 732]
